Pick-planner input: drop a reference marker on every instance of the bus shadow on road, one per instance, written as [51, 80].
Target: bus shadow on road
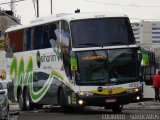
[86, 110]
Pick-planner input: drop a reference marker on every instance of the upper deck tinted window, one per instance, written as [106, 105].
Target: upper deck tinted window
[101, 32]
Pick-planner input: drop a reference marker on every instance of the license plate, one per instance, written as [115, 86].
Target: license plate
[111, 100]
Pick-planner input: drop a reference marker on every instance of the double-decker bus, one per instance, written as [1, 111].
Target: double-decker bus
[75, 60]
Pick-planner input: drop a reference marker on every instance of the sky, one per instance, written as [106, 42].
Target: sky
[137, 10]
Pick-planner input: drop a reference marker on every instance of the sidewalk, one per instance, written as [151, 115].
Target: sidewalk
[14, 109]
[144, 105]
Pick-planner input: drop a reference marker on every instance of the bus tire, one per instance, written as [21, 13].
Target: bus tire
[62, 102]
[117, 108]
[21, 101]
[27, 100]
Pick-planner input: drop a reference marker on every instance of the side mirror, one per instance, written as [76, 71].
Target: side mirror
[73, 61]
[145, 60]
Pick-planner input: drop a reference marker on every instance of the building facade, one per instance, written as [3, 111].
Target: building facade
[7, 19]
[147, 34]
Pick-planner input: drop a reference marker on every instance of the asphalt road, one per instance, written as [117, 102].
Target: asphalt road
[88, 114]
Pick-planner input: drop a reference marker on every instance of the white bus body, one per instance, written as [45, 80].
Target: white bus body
[67, 59]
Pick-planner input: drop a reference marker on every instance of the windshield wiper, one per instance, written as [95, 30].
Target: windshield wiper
[90, 44]
[93, 81]
[125, 79]
[116, 43]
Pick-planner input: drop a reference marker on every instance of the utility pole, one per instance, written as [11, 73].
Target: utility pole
[51, 7]
[12, 5]
[37, 8]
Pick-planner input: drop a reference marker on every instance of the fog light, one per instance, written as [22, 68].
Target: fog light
[138, 98]
[80, 102]
[81, 93]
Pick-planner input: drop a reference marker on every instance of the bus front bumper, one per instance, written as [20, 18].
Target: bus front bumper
[101, 100]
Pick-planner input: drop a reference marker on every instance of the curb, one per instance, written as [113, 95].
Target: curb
[15, 113]
[142, 108]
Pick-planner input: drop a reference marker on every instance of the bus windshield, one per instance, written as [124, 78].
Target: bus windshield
[101, 32]
[108, 66]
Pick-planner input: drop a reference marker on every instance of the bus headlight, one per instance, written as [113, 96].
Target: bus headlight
[133, 90]
[85, 93]
[80, 102]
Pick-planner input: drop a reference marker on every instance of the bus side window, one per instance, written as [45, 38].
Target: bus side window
[28, 39]
[42, 34]
[46, 34]
[37, 40]
[52, 31]
[16, 42]
[65, 46]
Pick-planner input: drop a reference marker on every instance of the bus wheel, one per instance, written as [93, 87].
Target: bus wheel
[21, 101]
[117, 108]
[64, 108]
[27, 100]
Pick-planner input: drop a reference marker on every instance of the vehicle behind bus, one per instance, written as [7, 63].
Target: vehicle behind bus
[147, 73]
